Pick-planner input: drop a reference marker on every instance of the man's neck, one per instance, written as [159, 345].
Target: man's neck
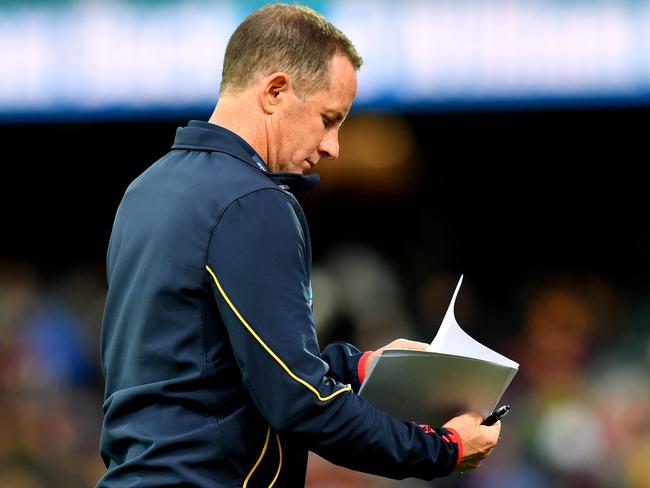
[245, 121]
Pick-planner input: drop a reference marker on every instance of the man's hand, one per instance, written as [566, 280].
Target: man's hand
[401, 344]
[396, 344]
[478, 440]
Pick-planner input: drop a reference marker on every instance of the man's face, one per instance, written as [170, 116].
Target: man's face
[302, 132]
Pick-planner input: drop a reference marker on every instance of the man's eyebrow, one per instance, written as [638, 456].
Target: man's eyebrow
[336, 116]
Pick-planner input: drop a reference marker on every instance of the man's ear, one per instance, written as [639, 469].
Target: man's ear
[276, 86]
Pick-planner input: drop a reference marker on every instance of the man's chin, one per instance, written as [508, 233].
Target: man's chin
[302, 168]
[307, 167]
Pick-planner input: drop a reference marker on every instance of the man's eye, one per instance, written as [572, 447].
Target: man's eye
[327, 122]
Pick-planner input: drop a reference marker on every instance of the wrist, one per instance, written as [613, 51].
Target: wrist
[454, 437]
[363, 365]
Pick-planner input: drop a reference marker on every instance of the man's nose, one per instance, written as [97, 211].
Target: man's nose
[329, 146]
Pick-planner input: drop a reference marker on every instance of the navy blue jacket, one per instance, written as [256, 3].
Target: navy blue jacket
[214, 376]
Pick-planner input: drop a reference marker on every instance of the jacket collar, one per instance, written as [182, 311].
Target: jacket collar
[204, 136]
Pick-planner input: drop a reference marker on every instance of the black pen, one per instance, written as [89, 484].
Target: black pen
[497, 415]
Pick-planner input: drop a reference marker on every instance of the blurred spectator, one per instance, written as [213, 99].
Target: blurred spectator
[49, 395]
[363, 301]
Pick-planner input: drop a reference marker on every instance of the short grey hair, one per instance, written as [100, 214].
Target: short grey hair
[289, 38]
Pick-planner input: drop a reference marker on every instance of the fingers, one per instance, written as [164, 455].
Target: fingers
[407, 344]
[495, 428]
[475, 417]
[492, 432]
[478, 440]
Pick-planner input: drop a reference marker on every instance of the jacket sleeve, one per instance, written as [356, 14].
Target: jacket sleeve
[343, 361]
[258, 266]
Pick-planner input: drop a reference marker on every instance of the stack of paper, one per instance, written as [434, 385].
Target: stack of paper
[455, 374]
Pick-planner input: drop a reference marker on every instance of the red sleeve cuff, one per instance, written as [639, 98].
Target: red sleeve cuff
[455, 437]
[361, 366]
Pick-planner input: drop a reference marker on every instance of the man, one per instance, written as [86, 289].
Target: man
[214, 376]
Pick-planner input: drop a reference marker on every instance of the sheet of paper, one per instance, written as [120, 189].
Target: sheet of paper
[451, 339]
[455, 374]
[431, 388]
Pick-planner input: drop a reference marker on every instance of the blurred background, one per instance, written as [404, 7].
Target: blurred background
[504, 140]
